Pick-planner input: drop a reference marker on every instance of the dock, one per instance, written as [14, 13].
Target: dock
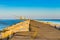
[38, 31]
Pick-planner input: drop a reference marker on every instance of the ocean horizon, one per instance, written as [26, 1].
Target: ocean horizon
[5, 23]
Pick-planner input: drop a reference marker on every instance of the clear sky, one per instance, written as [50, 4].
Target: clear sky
[30, 8]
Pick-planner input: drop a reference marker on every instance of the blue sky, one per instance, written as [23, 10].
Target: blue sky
[30, 8]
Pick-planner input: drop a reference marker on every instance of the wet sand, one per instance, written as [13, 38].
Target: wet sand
[44, 32]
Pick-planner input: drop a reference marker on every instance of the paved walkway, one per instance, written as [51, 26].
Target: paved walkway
[45, 32]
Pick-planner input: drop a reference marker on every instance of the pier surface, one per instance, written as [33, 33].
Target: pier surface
[44, 32]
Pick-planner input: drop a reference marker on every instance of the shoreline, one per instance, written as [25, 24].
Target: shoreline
[50, 23]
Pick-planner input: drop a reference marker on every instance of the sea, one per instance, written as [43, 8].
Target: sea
[9, 22]
[55, 21]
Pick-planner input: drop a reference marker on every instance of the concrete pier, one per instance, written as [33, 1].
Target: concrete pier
[45, 32]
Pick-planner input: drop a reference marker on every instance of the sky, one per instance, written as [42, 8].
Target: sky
[34, 9]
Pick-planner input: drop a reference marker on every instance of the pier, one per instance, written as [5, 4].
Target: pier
[38, 31]
[34, 30]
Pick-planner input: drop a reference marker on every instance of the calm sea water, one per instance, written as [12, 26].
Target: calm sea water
[55, 21]
[6, 23]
